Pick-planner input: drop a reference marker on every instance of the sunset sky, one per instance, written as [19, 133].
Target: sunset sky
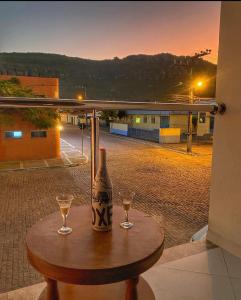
[102, 30]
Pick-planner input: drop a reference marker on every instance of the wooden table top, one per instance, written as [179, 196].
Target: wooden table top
[89, 257]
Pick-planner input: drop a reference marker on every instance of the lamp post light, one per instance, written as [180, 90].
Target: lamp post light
[60, 127]
[199, 84]
[194, 85]
[80, 97]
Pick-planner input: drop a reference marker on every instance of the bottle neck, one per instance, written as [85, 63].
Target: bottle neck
[102, 176]
[102, 160]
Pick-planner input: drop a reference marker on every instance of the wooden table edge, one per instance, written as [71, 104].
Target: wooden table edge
[85, 276]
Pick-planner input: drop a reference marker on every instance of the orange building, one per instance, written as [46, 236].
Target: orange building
[41, 86]
[22, 140]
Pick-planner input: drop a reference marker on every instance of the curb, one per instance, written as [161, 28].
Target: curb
[156, 145]
[41, 168]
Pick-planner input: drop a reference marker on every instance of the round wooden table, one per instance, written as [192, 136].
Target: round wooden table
[92, 265]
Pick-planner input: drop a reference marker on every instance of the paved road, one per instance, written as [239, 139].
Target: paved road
[73, 135]
[172, 187]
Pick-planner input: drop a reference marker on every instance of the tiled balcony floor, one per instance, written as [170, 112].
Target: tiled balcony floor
[210, 275]
[202, 273]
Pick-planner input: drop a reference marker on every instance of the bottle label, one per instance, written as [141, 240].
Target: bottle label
[102, 210]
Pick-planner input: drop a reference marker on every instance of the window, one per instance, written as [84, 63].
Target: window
[153, 120]
[14, 134]
[138, 120]
[164, 122]
[145, 119]
[39, 134]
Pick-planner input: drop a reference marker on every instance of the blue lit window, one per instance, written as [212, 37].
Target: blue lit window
[14, 134]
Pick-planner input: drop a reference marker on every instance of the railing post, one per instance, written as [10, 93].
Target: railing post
[94, 146]
[189, 133]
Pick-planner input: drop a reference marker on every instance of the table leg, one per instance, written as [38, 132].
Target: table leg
[131, 290]
[51, 289]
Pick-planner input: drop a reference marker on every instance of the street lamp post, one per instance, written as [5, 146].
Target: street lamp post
[82, 139]
[83, 157]
[188, 64]
[85, 91]
[189, 131]
[194, 85]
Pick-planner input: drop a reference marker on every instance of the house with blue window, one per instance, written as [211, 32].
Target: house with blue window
[147, 124]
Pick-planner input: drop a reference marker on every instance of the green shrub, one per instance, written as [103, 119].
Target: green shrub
[40, 117]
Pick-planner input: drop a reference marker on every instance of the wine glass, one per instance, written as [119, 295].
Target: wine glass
[126, 199]
[64, 201]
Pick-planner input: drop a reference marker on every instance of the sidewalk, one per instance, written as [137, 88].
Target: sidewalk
[70, 157]
[198, 149]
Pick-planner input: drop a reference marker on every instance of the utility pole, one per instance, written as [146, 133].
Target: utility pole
[83, 157]
[85, 91]
[189, 65]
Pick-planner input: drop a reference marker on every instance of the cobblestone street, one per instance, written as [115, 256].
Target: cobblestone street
[172, 187]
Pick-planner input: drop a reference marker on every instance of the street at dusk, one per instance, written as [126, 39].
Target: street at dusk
[171, 187]
[120, 150]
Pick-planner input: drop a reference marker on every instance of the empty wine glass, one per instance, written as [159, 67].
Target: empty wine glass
[126, 199]
[64, 201]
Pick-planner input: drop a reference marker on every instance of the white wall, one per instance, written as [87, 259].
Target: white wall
[119, 126]
[225, 198]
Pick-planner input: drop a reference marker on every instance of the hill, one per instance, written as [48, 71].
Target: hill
[135, 77]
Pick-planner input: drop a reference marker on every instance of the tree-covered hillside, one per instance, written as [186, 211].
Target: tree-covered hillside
[135, 77]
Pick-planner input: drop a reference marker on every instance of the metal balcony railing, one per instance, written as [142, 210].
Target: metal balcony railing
[94, 105]
[88, 105]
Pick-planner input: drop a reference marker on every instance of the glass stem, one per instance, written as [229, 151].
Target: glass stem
[64, 219]
[127, 219]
